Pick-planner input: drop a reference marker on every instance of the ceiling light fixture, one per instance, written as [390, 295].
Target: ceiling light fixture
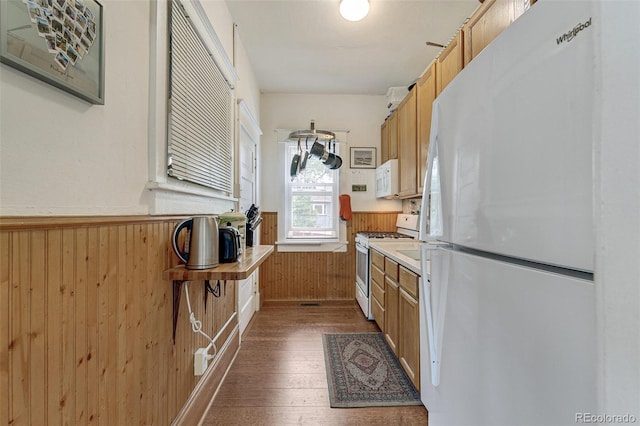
[354, 10]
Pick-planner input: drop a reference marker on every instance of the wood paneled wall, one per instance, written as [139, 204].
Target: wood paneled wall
[86, 322]
[315, 275]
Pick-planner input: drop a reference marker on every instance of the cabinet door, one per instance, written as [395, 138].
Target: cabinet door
[384, 142]
[393, 135]
[488, 21]
[391, 296]
[449, 63]
[409, 336]
[407, 144]
[426, 94]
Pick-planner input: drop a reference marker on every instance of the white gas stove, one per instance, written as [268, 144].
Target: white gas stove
[406, 230]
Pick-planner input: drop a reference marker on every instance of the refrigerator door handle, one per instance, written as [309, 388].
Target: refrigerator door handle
[435, 302]
[431, 206]
[435, 377]
[441, 283]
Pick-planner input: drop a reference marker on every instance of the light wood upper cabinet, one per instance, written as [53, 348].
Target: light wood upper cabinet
[426, 93]
[384, 141]
[487, 22]
[407, 143]
[449, 63]
[393, 135]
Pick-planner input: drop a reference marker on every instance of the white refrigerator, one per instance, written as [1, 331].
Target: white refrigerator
[509, 326]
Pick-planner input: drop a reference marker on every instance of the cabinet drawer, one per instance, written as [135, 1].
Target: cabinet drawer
[377, 259]
[409, 281]
[378, 314]
[391, 268]
[377, 275]
[378, 293]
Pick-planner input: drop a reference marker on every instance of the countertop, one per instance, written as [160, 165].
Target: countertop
[406, 253]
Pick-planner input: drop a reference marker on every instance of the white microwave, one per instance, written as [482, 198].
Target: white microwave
[387, 179]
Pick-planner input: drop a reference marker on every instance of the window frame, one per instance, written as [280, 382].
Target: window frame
[167, 195]
[290, 148]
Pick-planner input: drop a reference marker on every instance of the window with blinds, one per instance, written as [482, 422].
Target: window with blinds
[200, 148]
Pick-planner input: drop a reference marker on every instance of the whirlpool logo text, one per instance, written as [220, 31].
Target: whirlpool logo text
[568, 36]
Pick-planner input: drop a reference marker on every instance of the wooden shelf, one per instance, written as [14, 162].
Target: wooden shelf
[251, 258]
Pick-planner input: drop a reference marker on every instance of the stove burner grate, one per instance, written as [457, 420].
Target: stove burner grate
[378, 234]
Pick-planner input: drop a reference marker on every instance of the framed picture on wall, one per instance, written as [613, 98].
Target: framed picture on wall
[363, 158]
[60, 42]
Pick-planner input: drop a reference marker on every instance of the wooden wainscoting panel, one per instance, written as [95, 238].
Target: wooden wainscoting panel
[4, 328]
[86, 322]
[315, 275]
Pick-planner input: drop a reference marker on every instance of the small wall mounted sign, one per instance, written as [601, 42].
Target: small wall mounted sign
[358, 188]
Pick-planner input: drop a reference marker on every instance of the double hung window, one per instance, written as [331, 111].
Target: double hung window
[311, 199]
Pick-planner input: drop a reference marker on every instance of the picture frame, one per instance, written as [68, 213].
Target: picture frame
[363, 158]
[60, 42]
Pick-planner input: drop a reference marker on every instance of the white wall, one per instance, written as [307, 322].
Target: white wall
[60, 155]
[222, 22]
[361, 115]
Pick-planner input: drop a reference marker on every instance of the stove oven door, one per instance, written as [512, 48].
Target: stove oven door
[362, 280]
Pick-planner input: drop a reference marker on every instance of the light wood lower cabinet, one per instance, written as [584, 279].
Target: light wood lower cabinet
[409, 325]
[391, 295]
[396, 311]
[377, 295]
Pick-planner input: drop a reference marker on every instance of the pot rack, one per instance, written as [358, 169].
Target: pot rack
[312, 134]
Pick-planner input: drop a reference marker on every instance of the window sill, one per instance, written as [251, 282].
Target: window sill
[312, 246]
[175, 197]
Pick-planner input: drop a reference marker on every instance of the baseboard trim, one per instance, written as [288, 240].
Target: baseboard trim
[196, 405]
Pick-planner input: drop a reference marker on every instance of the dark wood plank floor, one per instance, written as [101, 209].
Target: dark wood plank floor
[278, 377]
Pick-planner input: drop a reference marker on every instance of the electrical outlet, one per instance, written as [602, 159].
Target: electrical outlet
[200, 362]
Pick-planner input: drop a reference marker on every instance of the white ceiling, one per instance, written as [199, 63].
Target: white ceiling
[305, 46]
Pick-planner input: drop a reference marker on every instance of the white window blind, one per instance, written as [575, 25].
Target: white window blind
[200, 148]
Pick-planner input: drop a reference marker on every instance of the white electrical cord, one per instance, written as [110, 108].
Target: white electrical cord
[196, 326]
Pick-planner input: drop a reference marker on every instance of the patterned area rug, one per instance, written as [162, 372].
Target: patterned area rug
[363, 372]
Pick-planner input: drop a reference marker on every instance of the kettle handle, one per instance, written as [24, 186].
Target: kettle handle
[183, 255]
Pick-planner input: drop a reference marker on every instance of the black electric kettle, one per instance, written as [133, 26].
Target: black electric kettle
[230, 244]
[201, 244]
